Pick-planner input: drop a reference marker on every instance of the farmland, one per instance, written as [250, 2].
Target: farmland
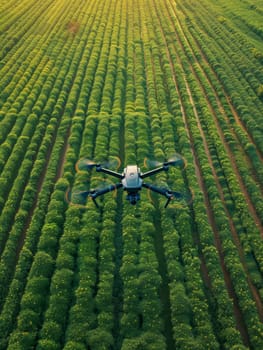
[134, 80]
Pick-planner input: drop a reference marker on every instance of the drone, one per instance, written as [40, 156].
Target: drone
[131, 180]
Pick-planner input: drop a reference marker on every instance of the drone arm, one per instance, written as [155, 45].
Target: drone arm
[109, 172]
[165, 192]
[94, 194]
[156, 189]
[154, 171]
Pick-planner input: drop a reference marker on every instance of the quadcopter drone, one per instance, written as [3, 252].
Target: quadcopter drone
[131, 180]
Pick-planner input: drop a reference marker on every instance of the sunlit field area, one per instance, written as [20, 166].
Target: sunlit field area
[85, 82]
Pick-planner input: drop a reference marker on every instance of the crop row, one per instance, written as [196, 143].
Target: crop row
[180, 305]
[233, 77]
[43, 248]
[34, 229]
[196, 129]
[15, 196]
[241, 208]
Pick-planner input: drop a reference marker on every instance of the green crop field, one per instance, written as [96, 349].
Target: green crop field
[132, 79]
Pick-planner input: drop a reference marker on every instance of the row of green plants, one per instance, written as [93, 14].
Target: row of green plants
[188, 114]
[43, 95]
[15, 25]
[51, 329]
[17, 207]
[235, 283]
[68, 263]
[87, 320]
[231, 74]
[223, 108]
[183, 304]
[239, 157]
[23, 265]
[141, 322]
[247, 16]
[92, 278]
[248, 240]
[91, 319]
[33, 164]
[251, 234]
[221, 102]
[13, 293]
[23, 62]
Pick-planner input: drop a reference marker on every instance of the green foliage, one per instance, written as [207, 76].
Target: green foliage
[131, 81]
[260, 91]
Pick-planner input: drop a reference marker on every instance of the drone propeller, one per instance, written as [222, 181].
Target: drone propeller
[183, 198]
[86, 164]
[100, 184]
[78, 197]
[176, 159]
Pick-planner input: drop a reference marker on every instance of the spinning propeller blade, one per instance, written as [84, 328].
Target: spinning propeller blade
[85, 164]
[78, 196]
[176, 159]
[101, 183]
[184, 197]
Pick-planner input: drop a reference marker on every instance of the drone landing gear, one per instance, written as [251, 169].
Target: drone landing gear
[165, 192]
[93, 194]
